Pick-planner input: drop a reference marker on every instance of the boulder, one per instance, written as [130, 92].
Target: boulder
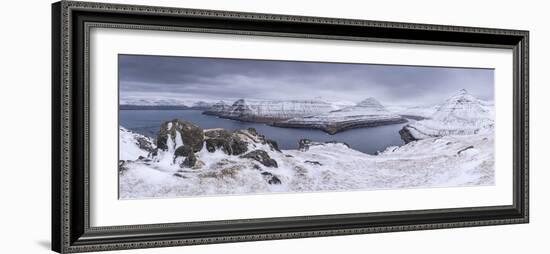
[189, 161]
[406, 135]
[238, 146]
[229, 143]
[303, 144]
[185, 151]
[262, 157]
[270, 178]
[122, 166]
[145, 144]
[191, 135]
[252, 136]
[182, 151]
[274, 180]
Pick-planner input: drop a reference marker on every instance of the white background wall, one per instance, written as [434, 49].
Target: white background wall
[25, 127]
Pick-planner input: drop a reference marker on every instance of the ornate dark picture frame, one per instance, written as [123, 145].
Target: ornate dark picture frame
[71, 230]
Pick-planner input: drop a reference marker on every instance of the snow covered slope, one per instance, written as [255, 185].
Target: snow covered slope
[414, 112]
[133, 145]
[366, 113]
[462, 114]
[244, 161]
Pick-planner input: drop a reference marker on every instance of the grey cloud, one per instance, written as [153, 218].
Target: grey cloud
[216, 78]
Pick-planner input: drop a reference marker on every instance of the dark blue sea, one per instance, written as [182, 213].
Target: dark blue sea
[367, 140]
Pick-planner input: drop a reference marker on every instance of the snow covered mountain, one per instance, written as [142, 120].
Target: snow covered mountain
[414, 112]
[367, 113]
[462, 114]
[186, 160]
[217, 109]
[201, 105]
[138, 102]
[270, 111]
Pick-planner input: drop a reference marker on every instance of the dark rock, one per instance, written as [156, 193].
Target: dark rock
[185, 151]
[191, 135]
[252, 131]
[217, 133]
[179, 175]
[141, 158]
[314, 163]
[303, 144]
[182, 151]
[406, 135]
[229, 143]
[271, 179]
[257, 167]
[262, 157]
[212, 144]
[145, 144]
[464, 149]
[339, 126]
[122, 166]
[274, 180]
[289, 156]
[273, 144]
[189, 161]
[238, 146]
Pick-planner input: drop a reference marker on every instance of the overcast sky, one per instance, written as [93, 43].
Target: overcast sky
[182, 78]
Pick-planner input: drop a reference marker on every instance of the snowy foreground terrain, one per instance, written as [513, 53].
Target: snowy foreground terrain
[185, 160]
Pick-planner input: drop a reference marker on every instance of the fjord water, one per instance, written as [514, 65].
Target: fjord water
[367, 140]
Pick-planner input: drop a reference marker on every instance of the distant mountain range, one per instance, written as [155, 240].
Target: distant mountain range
[314, 114]
[153, 106]
[270, 111]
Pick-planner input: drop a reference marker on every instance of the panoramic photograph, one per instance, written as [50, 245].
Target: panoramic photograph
[198, 126]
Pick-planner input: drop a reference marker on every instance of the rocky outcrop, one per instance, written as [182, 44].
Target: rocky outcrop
[270, 178]
[250, 135]
[406, 135]
[220, 139]
[261, 157]
[335, 127]
[177, 132]
[367, 113]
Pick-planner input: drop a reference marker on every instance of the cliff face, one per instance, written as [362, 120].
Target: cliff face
[269, 111]
[461, 114]
[367, 113]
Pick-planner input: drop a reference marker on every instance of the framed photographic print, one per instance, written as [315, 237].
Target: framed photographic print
[181, 126]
